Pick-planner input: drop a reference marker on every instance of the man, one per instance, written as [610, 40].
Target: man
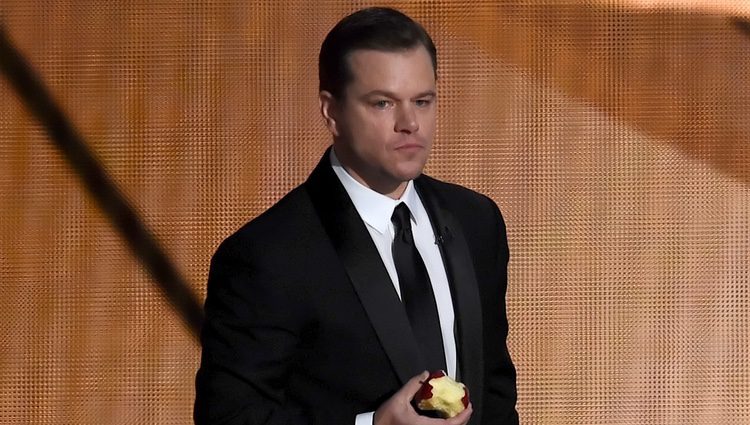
[315, 312]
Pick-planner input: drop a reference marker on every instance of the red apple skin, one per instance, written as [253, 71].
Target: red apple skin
[425, 391]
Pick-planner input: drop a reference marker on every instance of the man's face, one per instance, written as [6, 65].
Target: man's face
[384, 123]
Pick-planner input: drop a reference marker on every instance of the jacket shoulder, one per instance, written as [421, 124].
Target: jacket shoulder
[454, 195]
[279, 225]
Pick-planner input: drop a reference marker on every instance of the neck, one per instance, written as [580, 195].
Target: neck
[391, 188]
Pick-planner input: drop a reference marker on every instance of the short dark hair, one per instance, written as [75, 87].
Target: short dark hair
[374, 28]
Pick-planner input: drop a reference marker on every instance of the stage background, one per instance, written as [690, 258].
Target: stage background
[613, 135]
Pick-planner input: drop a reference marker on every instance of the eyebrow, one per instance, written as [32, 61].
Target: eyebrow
[428, 93]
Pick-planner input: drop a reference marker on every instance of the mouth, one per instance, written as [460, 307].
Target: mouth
[409, 146]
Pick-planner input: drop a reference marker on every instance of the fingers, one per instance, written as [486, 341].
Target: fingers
[397, 410]
[414, 384]
[462, 418]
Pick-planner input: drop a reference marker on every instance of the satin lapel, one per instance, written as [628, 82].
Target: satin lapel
[365, 268]
[464, 290]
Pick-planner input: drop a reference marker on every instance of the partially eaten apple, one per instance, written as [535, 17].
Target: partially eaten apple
[441, 396]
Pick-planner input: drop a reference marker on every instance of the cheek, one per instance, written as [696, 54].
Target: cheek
[359, 121]
[374, 131]
[428, 119]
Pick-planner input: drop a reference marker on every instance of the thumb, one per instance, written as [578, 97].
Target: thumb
[415, 383]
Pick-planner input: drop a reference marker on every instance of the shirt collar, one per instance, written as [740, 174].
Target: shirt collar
[375, 208]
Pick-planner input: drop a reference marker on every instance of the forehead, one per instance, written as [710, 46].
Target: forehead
[396, 71]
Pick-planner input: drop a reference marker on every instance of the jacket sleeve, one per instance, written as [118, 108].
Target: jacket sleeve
[500, 374]
[249, 342]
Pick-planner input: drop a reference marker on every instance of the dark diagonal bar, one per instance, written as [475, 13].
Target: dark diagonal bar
[743, 25]
[116, 208]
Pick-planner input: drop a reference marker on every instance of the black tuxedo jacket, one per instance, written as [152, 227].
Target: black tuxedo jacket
[303, 325]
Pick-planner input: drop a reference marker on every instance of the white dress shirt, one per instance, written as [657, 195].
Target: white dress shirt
[376, 210]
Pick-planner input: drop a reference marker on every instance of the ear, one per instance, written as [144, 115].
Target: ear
[329, 111]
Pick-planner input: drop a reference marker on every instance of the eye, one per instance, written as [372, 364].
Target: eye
[382, 104]
[423, 103]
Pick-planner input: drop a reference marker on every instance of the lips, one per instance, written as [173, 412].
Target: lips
[410, 143]
[409, 146]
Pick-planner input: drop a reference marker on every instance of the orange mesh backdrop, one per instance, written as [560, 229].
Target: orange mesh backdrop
[613, 136]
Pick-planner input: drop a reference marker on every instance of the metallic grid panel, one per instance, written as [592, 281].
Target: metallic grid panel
[613, 139]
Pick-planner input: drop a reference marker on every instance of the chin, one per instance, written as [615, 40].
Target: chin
[410, 171]
[405, 177]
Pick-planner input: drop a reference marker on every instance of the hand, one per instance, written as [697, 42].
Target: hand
[398, 410]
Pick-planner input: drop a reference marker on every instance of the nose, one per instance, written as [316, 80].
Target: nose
[406, 120]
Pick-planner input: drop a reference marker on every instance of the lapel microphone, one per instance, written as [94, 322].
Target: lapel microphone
[443, 237]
